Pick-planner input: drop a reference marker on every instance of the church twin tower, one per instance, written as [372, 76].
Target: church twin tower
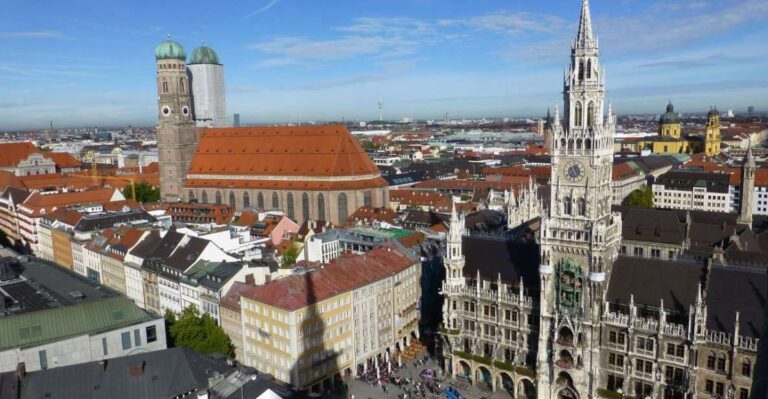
[189, 96]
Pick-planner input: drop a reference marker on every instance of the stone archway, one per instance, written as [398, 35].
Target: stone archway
[506, 384]
[526, 389]
[567, 393]
[484, 378]
[464, 370]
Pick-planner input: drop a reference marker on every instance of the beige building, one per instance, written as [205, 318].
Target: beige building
[314, 329]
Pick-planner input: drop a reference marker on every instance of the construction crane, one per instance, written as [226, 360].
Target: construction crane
[90, 156]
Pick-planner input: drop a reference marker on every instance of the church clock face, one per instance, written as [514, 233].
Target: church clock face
[574, 171]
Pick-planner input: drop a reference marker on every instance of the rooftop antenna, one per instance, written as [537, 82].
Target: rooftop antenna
[381, 111]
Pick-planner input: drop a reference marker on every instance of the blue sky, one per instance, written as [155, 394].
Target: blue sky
[80, 62]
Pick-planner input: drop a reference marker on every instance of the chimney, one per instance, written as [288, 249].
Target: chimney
[250, 280]
[103, 364]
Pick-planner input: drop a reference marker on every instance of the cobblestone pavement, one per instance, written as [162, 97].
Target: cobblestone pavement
[362, 390]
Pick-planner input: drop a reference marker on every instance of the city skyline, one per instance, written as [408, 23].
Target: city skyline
[293, 61]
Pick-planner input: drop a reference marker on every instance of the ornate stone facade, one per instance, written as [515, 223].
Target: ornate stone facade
[584, 318]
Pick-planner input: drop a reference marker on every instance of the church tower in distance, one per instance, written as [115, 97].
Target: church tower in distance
[176, 135]
[580, 236]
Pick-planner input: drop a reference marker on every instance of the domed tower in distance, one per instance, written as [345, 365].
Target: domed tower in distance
[712, 135]
[669, 123]
[176, 135]
[207, 76]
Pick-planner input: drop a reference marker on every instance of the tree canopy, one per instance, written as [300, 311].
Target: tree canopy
[291, 255]
[642, 197]
[199, 333]
[145, 192]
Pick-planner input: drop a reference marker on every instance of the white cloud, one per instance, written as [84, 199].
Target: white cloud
[31, 35]
[262, 9]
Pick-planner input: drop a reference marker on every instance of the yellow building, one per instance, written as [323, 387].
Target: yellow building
[307, 330]
[712, 136]
[62, 248]
[669, 123]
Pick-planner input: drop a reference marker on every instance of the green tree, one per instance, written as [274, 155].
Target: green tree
[290, 255]
[642, 197]
[170, 320]
[199, 333]
[145, 192]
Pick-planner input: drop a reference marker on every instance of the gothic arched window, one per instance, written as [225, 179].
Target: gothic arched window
[191, 196]
[305, 206]
[232, 202]
[260, 201]
[181, 86]
[746, 368]
[587, 144]
[367, 202]
[578, 144]
[289, 205]
[165, 87]
[578, 115]
[342, 207]
[567, 205]
[589, 69]
[591, 114]
[582, 205]
[218, 198]
[581, 70]
[275, 201]
[320, 207]
[562, 144]
[246, 200]
[205, 197]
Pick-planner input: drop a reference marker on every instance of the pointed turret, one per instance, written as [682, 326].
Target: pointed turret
[748, 170]
[585, 38]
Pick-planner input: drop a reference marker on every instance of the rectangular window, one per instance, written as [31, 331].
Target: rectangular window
[744, 393]
[151, 334]
[126, 336]
[720, 389]
[612, 337]
[137, 337]
[709, 387]
[104, 350]
[43, 359]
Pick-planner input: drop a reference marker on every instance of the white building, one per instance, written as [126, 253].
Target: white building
[206, 75]
[696, 191]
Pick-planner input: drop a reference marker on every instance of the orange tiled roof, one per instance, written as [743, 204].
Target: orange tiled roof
[372, 214]
[12, 153]
[9, 179]
[55, 180]
[342, 274]
[38, 202]
[281, 151]
[247, 218]
[256, 184]
[63, 159]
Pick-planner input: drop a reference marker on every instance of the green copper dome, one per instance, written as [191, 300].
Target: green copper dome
[669, 117]
[170, 50]
[204, 55]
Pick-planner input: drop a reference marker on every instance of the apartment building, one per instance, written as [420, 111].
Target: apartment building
[310, 329]
[696, 191]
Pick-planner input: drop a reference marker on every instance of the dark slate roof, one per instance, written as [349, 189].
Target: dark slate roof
[485, 221]
[158, 374]
[167, 244]
[107, 220]
[405, 178]
[9, 385]
[146, 247]
[493, 256]
[687, 180]
[651, 280]
[652, 225]
[16, 194]
[187, 253]
[734, 290]
[425, 218]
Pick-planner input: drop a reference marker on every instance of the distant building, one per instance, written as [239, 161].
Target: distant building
[237, 120]
[24, 159]
[712, 135]
[53, 318]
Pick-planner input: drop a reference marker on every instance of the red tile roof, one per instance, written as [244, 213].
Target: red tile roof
[281, 151]
[12, 153]
[9, 179]
[341, 275]
[63, 159]
[257, 183]
[370, 214]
